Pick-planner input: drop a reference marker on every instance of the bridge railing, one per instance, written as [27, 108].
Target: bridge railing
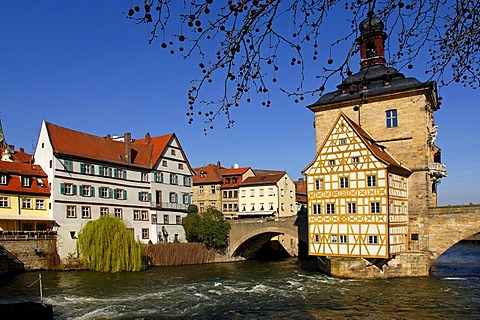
[27, 235]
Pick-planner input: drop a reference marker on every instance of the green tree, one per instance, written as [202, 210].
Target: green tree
[107, 245]
[190, 224]
[213, 229]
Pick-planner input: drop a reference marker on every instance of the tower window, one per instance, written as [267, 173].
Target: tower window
[391, 117]
[371, 51]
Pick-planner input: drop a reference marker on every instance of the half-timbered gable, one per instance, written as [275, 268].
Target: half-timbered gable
[357, 196]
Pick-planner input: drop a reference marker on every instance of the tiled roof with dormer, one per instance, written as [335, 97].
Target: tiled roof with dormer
[209, 174]
[79, 144]
[15, 171]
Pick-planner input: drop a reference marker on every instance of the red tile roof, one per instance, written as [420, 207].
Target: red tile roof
[16, 170]
[20, 156]
[211, 174]
[158, 143]
[263, 179]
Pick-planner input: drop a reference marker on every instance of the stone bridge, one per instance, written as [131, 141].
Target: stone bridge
[450, 224]
[247, 236]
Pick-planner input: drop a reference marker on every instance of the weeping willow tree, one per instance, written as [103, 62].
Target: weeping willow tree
[107, 245]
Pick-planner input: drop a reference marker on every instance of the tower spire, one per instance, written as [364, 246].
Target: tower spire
[3, 142]
[372, 39]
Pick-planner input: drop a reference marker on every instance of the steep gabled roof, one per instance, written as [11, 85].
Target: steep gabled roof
[79, 144]
[159, 145]
[268, 179]
[377, 150]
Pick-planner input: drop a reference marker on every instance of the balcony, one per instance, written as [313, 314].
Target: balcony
[27, 235]
[170, 206]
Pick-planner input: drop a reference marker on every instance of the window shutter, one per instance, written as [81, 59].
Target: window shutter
[99, 191]
[74, 190]
[92, 191]
[124, 174]
[124, 194]
[149, 197]
[155, 177]
[139, 196]
[100, 170]
[82, 167]
[110, 193]
[80, 190]
[92, 169]
[62, 188]
[109, 172]
[115, 172]
[176, 198]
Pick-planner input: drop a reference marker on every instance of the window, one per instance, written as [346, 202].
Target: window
[234, 180]
[187, 181]
[186, 198]
[200, 190]
[343, 238]
[202, 174]
[212, 189]
[26, 203]
[244, 207]
[201, 207]
[166, 219]
[371, 181]
[180, 166]
[3, 202]
[283, 206]
[352, 208]
[144, 176]
[71, 212]
[372, 239]
[68, 189]
[391, 117]
[144, 196]
[103, 211]
[270, 192]
[40, 182]
[282, 192]
[252, 192]
[343, 141]
[355, 159]
[68, 165]
[213, 204]
[120, 194]
[144, 215]
[317, 209]
[26, 182]
[331, 162]
[145, 233]
[120, 173]
[330, 208]
[3, 179]
[262, 207]
[235, 207]
[40, 204]
[105, 171]
[173, 152]
[235, 194]
[178, 219]
[333, 238]
[164, 163]
[173, 179]
[103, 192]
[319, 184]
[261, 192]
[317, 238]
[252, 206]
[243, 193]
[225, 207]
[225, 194]
[118, 213]
[173, 197]
[154, 218]
[86, 212]
[270, 206]
[86, 191]
[291, 193]
[343, 182]
[227, 180]
[158, 176]
[86, 168]
[375, 207]
[136, 214]
[291, 207]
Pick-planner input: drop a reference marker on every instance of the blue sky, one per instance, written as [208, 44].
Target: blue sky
[82, 65]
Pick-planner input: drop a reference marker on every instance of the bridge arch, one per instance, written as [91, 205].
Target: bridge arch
[450, 225]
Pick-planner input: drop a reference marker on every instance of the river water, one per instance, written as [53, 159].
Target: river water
[257, 289]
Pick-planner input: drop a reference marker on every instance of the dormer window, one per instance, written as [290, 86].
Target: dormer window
[26, 182]
[227, 180]
[40, 182]
[3, 179]
[202, 174]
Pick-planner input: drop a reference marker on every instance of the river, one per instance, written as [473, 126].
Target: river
[257, 289]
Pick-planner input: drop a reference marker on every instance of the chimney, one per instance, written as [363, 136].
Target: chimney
[22, 150]
[147, 137]
[219, 166]
[301, 182]
[127, 139]
[108, 136]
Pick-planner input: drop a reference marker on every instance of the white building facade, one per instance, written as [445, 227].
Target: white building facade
[145, 182]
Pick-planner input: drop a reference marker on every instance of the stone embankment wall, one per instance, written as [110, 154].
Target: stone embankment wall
[35, 255]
